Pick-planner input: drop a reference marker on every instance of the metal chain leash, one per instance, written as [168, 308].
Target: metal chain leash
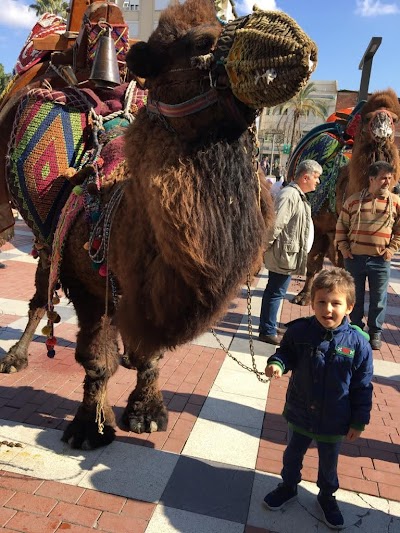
[251, 345]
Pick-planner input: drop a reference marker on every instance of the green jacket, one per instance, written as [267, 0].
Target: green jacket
[287, 244]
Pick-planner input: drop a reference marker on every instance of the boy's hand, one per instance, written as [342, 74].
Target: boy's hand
[273, 371]
[353, 434]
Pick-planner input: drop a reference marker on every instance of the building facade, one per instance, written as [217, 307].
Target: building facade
[274, 129]
[142, 15]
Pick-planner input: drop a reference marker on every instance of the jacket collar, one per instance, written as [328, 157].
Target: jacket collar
[325, 333]
[295, 186]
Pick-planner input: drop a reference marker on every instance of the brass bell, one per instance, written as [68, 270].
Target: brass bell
[105, 71]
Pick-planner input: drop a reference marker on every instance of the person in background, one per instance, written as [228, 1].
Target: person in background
[279, 183]
[288, 245]
[368, 235]
[329, 396]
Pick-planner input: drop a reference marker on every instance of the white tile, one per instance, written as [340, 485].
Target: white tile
[44, 455]
[244, 357]
[232, 409]
[361, 514]
[229, 444]
[131, 471]
[241, 383]
[387, 369]
[168, 520]
[13, 307]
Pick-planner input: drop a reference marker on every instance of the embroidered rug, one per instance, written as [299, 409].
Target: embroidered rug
[48, 137]
[47, 24]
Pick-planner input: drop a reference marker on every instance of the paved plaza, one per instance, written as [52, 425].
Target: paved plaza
[221, 453]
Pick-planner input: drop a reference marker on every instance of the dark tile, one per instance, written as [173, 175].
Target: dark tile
[210, 488]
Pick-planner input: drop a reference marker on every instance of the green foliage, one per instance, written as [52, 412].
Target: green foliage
[4, 78]
[302, 104]
[57, 7]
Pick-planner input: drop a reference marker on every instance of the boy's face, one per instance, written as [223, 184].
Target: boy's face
[330, 308]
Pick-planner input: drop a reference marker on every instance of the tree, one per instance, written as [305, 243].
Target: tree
[301, 105]
[57, 7]
[4, 79]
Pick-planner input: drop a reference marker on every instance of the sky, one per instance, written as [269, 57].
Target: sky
[342, 30]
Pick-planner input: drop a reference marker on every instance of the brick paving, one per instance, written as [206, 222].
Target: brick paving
[48, 392]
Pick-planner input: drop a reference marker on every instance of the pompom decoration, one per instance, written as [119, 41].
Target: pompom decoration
[56, 299]
[34, 253]
[77, 190]
[46, 330]
[52, 315]
[86, 246]
[51, 342]
[96, 244]
[51, 353]
[103, 270]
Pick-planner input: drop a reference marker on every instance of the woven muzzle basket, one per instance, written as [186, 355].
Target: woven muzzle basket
[270, 59]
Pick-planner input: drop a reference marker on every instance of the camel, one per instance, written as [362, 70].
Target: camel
[181, 219]
[373, 141]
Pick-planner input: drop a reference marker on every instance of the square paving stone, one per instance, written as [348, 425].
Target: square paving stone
[210, 488]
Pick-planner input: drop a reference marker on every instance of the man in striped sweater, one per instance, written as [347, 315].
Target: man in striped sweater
[368, 235]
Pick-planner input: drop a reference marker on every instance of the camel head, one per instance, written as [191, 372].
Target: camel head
[374, 139]
[379, 116]
[200, 73]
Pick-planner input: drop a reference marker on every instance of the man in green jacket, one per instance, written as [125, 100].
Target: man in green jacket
[289, 244]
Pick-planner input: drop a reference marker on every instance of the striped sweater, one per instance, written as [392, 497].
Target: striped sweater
[369, 224]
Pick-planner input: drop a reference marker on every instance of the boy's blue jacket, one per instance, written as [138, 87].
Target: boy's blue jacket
[330, 387]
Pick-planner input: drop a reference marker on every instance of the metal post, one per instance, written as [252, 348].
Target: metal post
[365, 67]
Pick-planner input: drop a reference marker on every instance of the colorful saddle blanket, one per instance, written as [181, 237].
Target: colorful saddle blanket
[47, 24]
[330, 144]
[52, 133]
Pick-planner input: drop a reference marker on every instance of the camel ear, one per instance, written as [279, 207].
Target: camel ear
[142, 61]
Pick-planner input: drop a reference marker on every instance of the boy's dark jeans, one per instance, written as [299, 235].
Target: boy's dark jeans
[328, 453]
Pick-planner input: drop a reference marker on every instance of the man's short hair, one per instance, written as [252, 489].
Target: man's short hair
[379, 166]
[307, 166]
[335, 279]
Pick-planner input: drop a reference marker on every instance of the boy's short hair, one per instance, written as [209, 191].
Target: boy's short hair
[335, 279]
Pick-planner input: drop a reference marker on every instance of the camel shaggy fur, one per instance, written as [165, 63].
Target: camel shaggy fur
[189, 226]
[373, 141]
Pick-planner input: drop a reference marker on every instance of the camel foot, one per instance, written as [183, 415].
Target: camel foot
[84, 435]
[140, 419]
[301, 299]
[14, 361]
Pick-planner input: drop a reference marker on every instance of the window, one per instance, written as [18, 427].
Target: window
[133, 29]
[131, 5]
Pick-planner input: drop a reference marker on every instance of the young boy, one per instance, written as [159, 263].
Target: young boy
[330, 391]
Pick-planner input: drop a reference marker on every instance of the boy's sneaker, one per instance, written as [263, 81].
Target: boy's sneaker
[280, 496]
[330, 511]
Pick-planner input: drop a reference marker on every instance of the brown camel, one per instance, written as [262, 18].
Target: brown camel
[373, 141]
[183, 219]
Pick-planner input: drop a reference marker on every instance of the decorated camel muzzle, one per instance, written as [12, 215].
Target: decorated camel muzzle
[381, 124]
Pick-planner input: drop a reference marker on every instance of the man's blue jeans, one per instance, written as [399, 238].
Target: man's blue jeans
[328, 453]
[273, 295]
[377, 271]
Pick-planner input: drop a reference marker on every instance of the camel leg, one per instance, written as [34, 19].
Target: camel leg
[97, 352]
[145, 411]
[17, 357]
